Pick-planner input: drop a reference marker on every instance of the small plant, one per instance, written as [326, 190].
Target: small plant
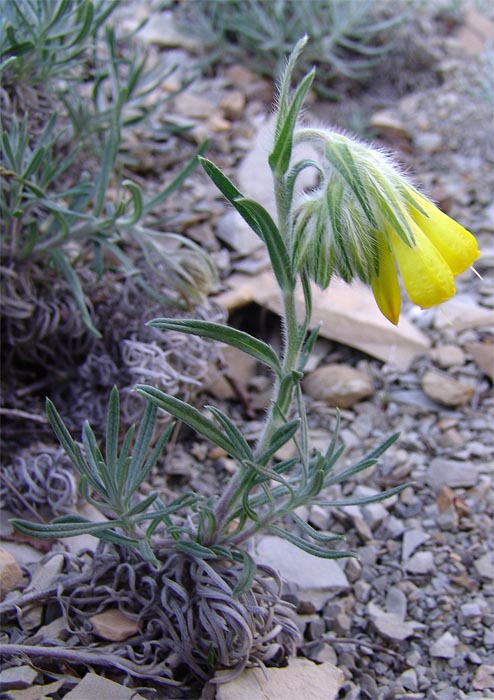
[346, 38]
[68, 95]
[222, 610]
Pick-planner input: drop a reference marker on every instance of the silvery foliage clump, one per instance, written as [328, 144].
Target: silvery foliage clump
[69, 94]
[223, 609]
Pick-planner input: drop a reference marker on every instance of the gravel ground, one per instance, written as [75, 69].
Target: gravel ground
[415, 617]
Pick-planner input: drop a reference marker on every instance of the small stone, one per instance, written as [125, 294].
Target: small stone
[17, 677]
[484, 678]
[445, 646]
[362, 591]
[338, 385]
[453, 473]
[313, 577]
[446, 390]
[420, 563]
[412, 539]
[114, 625]
[428, 141]
[240, 76]
[353, 569]
[471, 610]
[390, 625]
[463, 312]
[448, 356]
[10, 573]
[408, 680]
[374, 514]
[485, 566]
[388, 123]
[483, 356]
[343, 624]
[396, 602]
[233, 104]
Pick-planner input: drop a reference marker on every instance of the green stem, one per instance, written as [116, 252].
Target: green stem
[284, 388]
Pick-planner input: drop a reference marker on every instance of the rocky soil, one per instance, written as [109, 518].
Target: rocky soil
[413, 615]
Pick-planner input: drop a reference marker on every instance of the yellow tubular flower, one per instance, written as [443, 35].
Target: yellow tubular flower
[442, 249]
[457, 246]
[385, 286]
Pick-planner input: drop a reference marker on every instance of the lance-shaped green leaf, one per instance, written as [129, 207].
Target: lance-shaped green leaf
[314, 549]
[279, 438]
[264, 226]
[190, 416]
[258, 219]
[69, 526]
[194, 549]
[217, 331]
[364, 500]
[71, 448]
[248, 573]
[61, 262]
[232, 432]
[279, 160]
[368, 461]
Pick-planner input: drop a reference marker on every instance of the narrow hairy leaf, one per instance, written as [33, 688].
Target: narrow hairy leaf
[310, 548]
[70, 275]
[248, 573]
[190, 416]
[279, 438]
[225, 334]
[232, 432]
[194, 549]
[279, 160]
[112, 429]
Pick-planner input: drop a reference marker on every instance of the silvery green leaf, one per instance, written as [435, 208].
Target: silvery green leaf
[190, 416]
[279, 160]
[314, 549]
[225, 334]
[248, 573]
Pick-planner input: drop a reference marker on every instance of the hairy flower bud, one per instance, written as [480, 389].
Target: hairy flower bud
[366, 219]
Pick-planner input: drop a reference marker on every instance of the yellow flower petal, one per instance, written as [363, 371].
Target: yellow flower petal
[385, 286]
[426, 275]
[456, 245]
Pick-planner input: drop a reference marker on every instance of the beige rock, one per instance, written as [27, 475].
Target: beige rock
[445, 389]
[10, 573]
[477, 31]
[484, 678]
[461, 313]
[448, 356]
[300, 679]
[114, 625]
[233, 104]
[388, 123]
[239, 368]
[483, 356]
[338, 385]
[194, 106]
[240, 76]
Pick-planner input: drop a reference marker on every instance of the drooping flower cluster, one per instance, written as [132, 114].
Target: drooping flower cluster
[367, 221]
